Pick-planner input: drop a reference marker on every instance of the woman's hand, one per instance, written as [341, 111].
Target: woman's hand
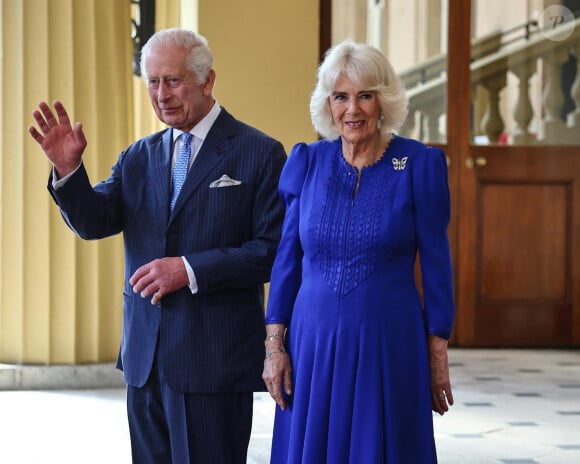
[277, 372]
[441, 395]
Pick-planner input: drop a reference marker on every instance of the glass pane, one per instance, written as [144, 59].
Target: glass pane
[524, 72]
[413, 36]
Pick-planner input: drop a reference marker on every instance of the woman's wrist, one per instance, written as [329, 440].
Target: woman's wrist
[275, 335]
[275, 332]
[276, 351]
[274, 342]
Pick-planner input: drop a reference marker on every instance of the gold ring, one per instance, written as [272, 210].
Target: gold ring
[158, 295]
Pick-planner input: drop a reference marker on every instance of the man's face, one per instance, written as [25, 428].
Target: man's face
[177, 98]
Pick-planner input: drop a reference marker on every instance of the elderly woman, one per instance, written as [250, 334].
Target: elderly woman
[354, 360]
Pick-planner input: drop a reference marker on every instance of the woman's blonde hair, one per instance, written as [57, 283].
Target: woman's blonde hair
[368, 68]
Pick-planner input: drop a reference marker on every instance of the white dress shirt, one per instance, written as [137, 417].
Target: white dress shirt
[199, 133]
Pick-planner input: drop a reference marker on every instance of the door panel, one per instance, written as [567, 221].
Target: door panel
[523, 214]
[523, 240]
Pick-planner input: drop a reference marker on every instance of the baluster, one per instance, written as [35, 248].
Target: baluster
[475, 110]
[408, 127]
[574, 116]
[553, 130]
[433, 110]
[492, 122]
[523, 112]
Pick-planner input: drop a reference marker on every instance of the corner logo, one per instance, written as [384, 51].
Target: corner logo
[556, 23]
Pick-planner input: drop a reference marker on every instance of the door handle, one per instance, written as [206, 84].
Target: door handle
[479, 161]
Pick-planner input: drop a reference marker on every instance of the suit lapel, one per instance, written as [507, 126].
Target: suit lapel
[215, 149]
[160, 154]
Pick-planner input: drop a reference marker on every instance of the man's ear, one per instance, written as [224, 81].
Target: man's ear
[209, 83]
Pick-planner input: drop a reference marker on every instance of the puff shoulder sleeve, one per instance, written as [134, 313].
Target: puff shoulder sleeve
[287, 269]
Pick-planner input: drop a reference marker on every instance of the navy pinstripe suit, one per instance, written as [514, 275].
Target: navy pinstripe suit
[212, 341]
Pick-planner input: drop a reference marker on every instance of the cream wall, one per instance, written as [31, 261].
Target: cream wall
[265, 57]
[412, 31]
[60, 297]
[266, 53]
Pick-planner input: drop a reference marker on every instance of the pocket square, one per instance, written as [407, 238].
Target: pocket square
[224, 181]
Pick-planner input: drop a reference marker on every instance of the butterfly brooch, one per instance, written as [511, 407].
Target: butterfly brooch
[400, 164]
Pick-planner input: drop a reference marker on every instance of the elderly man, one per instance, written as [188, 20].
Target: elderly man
[198, 207]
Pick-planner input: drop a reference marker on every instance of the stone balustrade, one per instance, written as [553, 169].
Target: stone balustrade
[509, 110]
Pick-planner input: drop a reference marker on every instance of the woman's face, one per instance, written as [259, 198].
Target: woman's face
[355, 111]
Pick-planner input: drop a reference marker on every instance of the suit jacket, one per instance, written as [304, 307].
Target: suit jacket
[211, 341]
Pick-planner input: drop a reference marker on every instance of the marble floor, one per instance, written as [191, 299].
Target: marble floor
[511, 407]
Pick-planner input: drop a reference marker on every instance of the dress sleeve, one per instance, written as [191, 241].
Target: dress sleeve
[287, 269]
[432, 214]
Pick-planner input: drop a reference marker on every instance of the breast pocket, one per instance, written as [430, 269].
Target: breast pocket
[230, 208]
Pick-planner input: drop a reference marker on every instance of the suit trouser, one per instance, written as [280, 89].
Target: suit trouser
[169, 427]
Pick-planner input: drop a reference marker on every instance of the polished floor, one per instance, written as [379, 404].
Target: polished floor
[511, 407]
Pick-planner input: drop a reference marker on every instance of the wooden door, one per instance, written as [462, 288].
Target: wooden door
[518, 228]
[519, 279]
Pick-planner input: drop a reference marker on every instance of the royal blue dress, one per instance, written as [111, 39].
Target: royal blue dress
[343, 283]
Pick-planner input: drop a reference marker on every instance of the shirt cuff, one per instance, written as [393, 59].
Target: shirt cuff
[191, 276]
[58, 183]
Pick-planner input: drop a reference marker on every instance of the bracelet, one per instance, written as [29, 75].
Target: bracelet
[274, 335]
[270, 353]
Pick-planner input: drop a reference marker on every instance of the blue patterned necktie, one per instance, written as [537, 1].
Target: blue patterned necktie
[180, 167]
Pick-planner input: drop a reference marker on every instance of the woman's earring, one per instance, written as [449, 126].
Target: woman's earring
[380, 121]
